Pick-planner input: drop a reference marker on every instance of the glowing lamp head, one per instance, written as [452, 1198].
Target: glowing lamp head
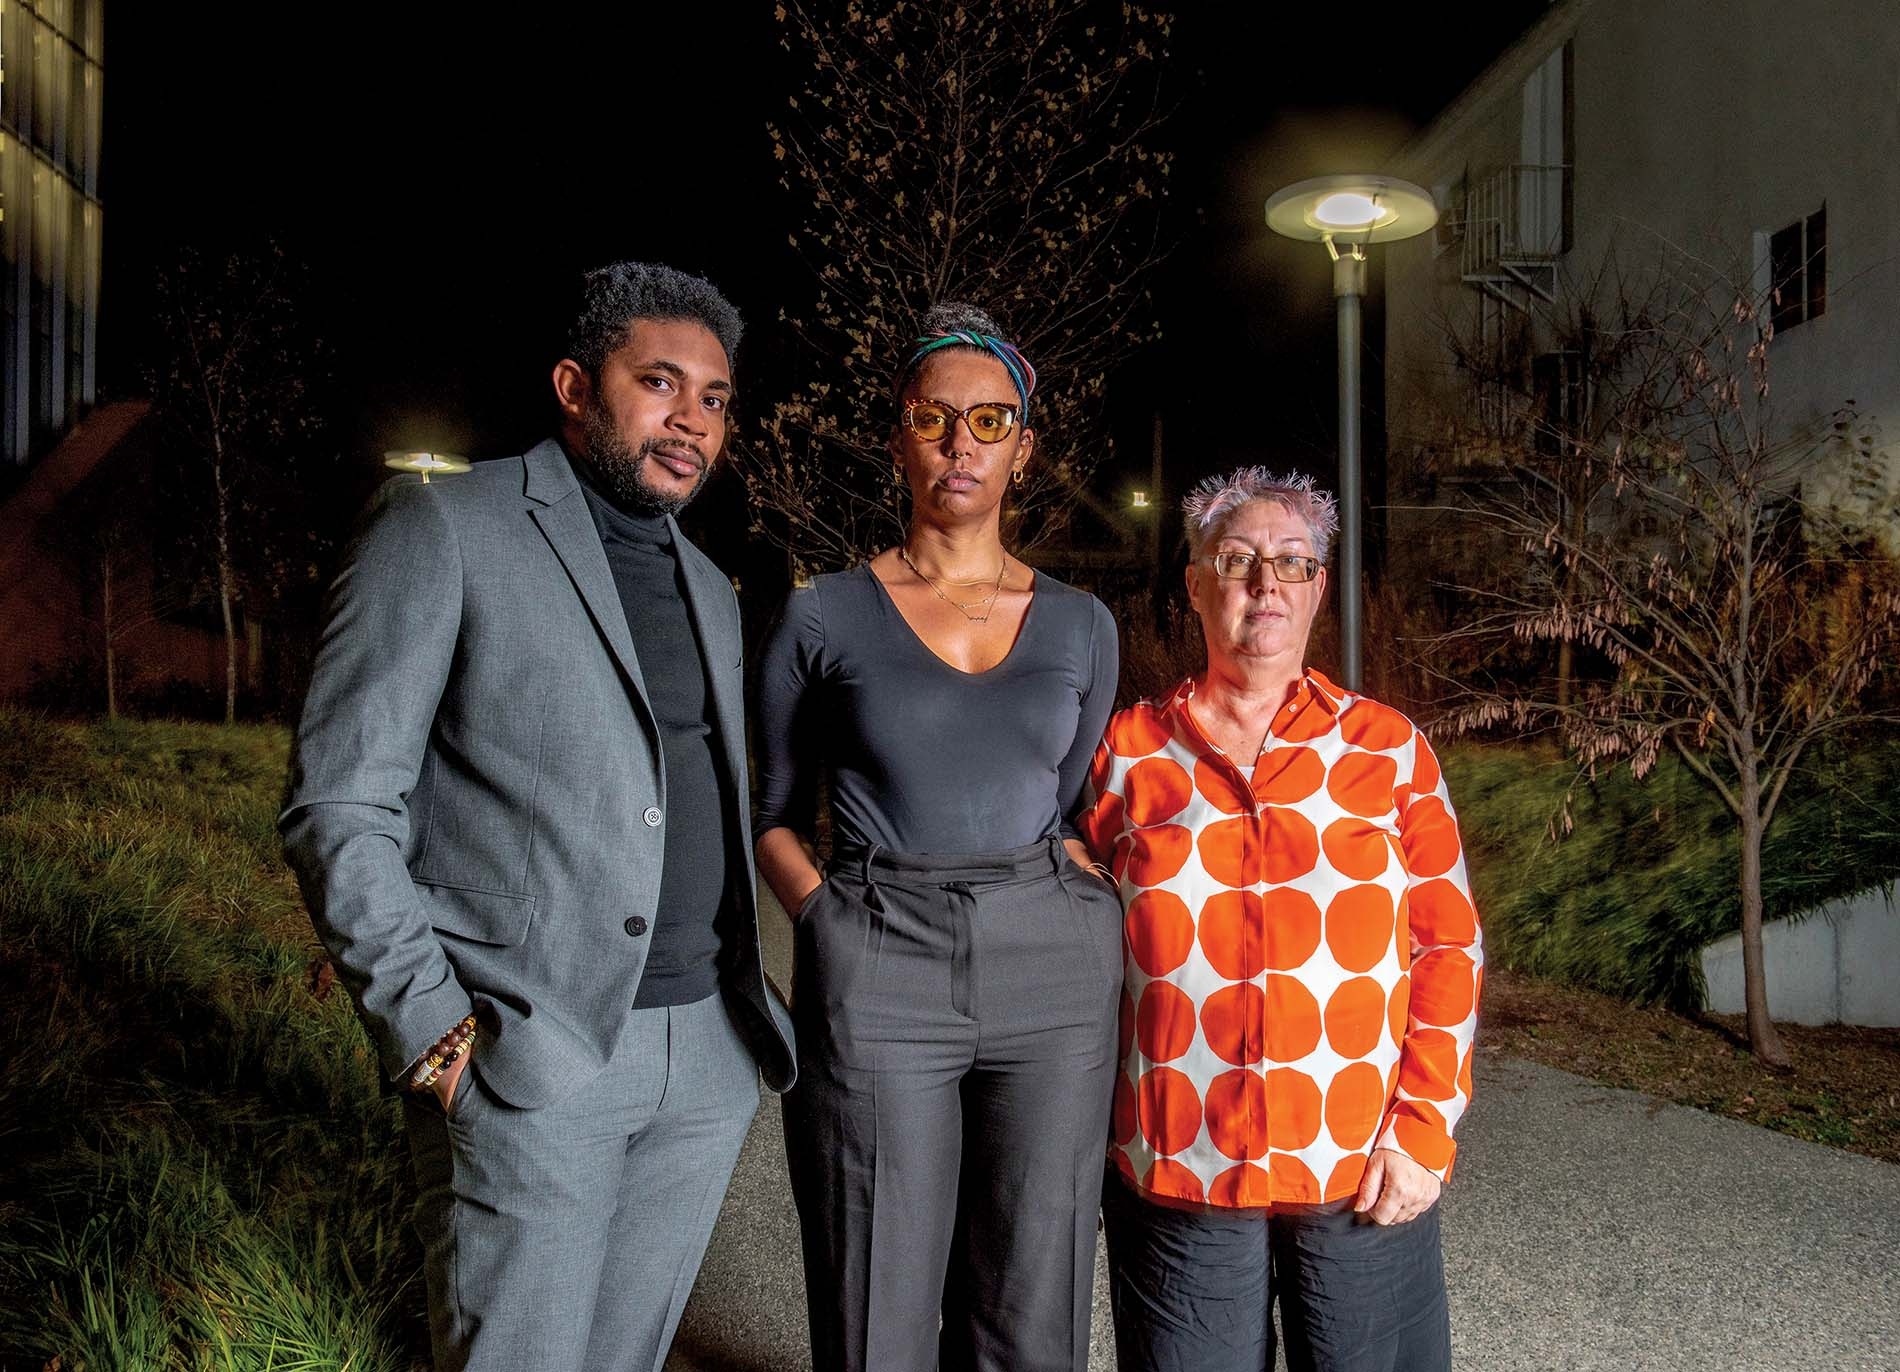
[425, 463]
[1349, 210]
[1356, 208]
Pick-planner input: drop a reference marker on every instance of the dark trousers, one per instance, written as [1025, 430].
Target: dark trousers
[956, 1039]
[1193, 1290]
[568, 1237]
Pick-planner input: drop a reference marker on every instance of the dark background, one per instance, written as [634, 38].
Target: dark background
[446, 174]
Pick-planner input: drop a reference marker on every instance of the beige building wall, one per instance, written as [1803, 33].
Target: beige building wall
[1692, 126]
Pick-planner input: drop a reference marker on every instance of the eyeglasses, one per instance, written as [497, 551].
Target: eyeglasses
[1286, 567]
[932, 419]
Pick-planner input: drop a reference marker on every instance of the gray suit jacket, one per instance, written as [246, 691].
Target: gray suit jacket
[477, 800]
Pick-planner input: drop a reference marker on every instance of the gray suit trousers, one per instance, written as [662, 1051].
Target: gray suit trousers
[568, 1236]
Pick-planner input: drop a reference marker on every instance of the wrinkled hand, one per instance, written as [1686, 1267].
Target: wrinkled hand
[444, 1086]
[1395, 1188]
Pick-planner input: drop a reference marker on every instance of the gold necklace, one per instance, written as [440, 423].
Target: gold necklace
[988, 602]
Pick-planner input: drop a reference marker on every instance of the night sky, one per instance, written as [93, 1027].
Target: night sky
[446, 177]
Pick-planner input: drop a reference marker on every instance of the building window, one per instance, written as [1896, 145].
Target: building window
[1546, 152]
[1449, 231]
[1797, 271]
[1559, 397]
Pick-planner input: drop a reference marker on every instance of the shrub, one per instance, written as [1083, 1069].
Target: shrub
[1650, 872]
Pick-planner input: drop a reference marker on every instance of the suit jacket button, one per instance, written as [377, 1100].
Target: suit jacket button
[636, 925]
[652, 816]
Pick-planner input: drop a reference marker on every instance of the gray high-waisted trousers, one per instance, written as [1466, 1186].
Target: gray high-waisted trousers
[956, 1043]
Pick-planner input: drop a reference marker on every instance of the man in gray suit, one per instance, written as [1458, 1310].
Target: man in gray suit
[518, 813]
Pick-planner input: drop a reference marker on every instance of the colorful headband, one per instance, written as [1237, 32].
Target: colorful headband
[1020, 372]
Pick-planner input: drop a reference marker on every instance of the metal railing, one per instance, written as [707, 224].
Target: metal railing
[1513, 217]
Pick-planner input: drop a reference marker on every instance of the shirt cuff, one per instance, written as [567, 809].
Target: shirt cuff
[1417, 1129]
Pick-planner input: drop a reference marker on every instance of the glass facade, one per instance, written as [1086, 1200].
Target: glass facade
[51, 85]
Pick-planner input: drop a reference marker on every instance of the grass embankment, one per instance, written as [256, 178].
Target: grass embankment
[199, 1169]
[1652, 870]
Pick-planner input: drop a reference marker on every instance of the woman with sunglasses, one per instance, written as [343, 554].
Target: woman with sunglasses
[1301, 987]
[957, 966]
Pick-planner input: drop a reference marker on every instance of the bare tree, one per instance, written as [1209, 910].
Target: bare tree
[112, 556]
[233, 381]
[1680, 541]
[998, 152]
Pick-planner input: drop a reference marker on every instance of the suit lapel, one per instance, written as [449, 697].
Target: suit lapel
[567, 524]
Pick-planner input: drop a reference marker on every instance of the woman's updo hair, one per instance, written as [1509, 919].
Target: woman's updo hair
[955, 316]
[953, 324]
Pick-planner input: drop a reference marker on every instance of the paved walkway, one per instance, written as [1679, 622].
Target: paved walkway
[1587, 1228]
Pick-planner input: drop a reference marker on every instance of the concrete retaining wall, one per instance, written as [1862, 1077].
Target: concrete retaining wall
[1839, 965]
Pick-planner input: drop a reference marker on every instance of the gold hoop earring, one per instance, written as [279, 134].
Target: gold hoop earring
[1016, 477]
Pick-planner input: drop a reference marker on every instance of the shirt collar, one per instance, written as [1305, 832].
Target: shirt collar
[1330, 696]
[1314, 689]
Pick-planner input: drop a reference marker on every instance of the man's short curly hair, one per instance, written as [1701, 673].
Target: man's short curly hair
[1209, 505]
[614, 296]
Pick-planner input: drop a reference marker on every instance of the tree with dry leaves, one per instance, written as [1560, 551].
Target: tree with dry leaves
[1000, 152]
[1539, 391]
[1718, 567]
[236, 381]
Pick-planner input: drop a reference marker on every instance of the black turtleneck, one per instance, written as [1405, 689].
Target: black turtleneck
[683, 959]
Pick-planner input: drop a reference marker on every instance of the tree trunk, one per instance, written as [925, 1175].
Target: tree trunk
[1762, 1038]
[223, 498]
[110, 629]
[1577, 529]
[230, 637]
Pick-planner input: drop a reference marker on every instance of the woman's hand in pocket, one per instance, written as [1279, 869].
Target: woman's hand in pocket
[806, 901]
[1080, 855]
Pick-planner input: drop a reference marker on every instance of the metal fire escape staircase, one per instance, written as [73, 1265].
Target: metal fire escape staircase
[1513, 233]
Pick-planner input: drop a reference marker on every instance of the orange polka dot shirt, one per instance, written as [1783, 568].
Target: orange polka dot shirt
[1301, 958]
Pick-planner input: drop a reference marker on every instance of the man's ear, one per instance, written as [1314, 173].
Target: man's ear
[572, 387]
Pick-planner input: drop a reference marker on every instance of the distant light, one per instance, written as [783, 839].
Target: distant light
[1140, 501]
[424, 463]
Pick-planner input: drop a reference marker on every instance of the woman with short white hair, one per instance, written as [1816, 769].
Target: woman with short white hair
[1301, 975]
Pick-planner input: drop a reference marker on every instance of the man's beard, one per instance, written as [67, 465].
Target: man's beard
[621, 469]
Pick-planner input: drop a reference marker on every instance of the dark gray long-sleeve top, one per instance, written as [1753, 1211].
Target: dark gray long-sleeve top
[921, 757]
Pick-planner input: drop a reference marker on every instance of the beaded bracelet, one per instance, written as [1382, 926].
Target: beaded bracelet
[440, 1059]
[446, 1050]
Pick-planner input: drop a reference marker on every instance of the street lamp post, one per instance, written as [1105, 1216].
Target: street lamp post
[1347, 213]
